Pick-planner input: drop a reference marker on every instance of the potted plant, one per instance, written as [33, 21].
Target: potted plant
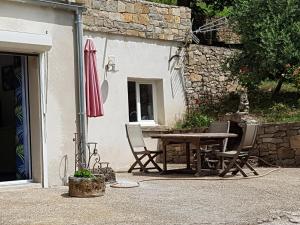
[84, 184]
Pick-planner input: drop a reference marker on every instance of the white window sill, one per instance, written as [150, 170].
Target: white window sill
[145, 123]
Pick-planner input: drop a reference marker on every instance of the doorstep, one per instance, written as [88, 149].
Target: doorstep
[15, 185]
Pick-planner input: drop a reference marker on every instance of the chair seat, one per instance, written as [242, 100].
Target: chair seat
[227, 154]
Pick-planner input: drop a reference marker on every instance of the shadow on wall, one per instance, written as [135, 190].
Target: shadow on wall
[63, 170]
[25, 12]
[176, 68]
[104, 90]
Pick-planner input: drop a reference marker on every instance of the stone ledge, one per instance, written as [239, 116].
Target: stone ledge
[158, 128]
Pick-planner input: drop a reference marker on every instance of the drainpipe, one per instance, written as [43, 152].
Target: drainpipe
[81, 113]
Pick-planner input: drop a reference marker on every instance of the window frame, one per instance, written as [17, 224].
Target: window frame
[138, 102]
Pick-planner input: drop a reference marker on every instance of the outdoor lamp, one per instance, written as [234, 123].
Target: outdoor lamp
[111, 64]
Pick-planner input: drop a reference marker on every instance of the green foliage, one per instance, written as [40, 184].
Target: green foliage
[268, 86]
[194, 119]
[270, 33]
[83, 173]
[284, 108]
[219, 5]
[19, 113]
[298, 103]
[210, 9]
[20, 151]
[277, 112]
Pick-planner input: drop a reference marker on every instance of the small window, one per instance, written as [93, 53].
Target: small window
[132, 101]
[141, 102]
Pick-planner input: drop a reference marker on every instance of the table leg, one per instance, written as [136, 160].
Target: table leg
[222, 163]
[188, 157]
[222, 158]
[198, 155]
[164, 157]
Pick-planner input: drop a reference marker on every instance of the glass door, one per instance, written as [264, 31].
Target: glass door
[23, 165]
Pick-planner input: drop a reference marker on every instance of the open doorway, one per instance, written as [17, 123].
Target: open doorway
[15, 159]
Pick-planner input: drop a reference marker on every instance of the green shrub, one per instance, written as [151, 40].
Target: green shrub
[279, 108]
[298, 103]
[279, 112]
[194, 119]
[83, 173]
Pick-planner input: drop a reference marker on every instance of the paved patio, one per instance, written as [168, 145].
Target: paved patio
[273, 199]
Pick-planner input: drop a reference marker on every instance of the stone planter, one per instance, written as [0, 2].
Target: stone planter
[86, 187]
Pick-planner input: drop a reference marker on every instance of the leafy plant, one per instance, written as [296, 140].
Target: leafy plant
[194, 119]
[211, 10]
[270, 34]
[83, 173]
[279, 108]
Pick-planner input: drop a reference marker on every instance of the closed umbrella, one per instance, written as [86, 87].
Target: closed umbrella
[94, 105]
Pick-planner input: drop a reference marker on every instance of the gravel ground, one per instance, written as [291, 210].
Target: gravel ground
[269, 200]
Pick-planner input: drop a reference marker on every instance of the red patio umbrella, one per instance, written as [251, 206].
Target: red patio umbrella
[94, 105]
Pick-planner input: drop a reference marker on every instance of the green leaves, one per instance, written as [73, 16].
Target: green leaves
[270, 34]
[20, 151]
[195, 119]
[214, 8]
[83, 173]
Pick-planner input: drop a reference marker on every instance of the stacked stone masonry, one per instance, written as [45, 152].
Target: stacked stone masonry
[224, 34]
[227, 36]
[279, 143]
[205, 78]
[138, 18]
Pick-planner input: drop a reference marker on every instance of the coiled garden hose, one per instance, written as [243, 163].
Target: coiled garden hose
[137, 183]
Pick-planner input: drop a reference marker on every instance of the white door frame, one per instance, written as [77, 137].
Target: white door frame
[25, 72]
[43, 110]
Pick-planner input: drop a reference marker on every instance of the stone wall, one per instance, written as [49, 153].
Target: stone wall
[205, 79]
[279, 143]
[227, 36]
[223, 35]
[138, 18]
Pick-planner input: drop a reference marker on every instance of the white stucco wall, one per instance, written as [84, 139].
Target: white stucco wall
[135, 58]
[61, 105]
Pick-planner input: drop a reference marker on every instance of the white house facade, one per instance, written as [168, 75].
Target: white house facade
[139, 54]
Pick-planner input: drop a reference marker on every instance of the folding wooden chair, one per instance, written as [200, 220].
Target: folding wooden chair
[239, 158]
[207, 152]
[220, 127]
[139, 149]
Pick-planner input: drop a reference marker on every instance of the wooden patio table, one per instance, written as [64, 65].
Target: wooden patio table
[198, 139]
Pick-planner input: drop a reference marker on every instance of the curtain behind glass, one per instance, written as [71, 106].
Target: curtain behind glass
[22, 143]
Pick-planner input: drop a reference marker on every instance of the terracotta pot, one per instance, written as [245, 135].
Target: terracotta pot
[86, 187]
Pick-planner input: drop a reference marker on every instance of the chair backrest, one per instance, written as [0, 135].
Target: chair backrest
[135, 137]
[220, 127]
[249, 136]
